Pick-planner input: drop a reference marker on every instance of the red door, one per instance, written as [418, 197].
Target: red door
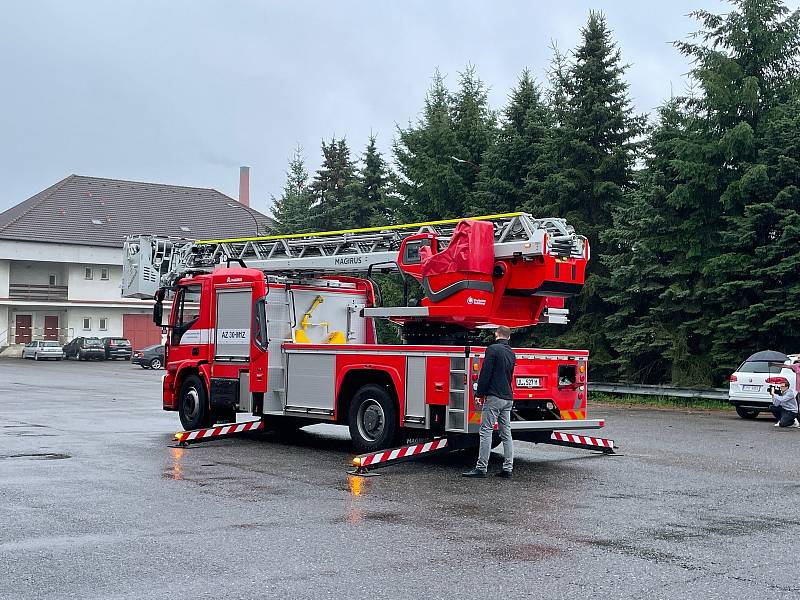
[22, 329]
[51, 327]
[140, 330]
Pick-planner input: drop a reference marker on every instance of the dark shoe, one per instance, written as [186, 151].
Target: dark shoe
[474, 473]
[504, 474]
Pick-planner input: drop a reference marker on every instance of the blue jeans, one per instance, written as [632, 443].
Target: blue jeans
[785, 417]
[496, 410]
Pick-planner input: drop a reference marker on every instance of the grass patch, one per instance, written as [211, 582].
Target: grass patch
[659, 401]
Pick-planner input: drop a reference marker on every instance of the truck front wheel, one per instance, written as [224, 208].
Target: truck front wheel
[373, 419]
[193, 404]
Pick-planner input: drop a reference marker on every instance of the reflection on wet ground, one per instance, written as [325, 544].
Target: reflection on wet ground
[175, 470]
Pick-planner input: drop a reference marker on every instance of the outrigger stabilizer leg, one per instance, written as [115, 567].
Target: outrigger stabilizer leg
[184, 438]
[364, 464]
[570, 440]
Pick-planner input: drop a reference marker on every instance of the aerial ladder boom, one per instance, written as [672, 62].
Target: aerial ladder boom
[524, 259]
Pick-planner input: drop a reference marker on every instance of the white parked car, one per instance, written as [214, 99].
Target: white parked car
[749, 385]
[43, 349]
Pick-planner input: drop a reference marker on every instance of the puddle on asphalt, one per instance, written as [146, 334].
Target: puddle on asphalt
[39, 456]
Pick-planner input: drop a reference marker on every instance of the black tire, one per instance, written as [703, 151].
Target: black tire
[746, 413]
[155, 363]
[193, 407]
[373, 419]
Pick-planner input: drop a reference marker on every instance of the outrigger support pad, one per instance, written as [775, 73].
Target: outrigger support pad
[364, 463]
[184, 438]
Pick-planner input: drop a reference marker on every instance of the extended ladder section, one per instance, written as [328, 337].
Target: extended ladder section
[152, 261]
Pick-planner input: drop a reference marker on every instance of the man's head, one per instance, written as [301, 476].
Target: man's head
[783, 384]
[502, 333]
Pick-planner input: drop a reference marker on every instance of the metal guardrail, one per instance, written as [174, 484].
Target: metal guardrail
[659, 390]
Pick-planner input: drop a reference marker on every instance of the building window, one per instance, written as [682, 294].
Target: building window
[104, 273]
[51, 279]
[103, 324]
[87, 323]
[88, 273]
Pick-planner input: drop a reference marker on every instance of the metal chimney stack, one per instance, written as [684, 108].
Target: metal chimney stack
[244, 186]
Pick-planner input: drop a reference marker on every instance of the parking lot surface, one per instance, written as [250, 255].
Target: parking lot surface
[95, 503]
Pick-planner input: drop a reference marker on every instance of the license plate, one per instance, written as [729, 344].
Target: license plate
[751, 388]
[528, 382]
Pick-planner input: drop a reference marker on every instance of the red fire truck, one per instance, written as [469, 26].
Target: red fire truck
[283, 327]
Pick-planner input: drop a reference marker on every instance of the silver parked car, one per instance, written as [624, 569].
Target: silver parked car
[749, 391]
[43, 349]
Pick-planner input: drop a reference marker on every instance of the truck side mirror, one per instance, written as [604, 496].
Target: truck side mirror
[158, 307]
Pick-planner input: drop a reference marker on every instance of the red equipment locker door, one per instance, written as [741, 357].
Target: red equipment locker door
[140, 330]
[22, 329]
[51, 327]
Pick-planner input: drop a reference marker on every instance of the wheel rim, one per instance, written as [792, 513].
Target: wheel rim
[191, 403]
[155, 363]
[371, 420]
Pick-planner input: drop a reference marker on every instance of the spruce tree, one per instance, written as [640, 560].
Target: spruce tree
[503, 182]
[591, 161]
[292, 211]
[374, 190]
[754, 50]
[334, 188]
[438, 158]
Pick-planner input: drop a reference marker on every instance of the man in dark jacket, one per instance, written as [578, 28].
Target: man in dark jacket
[494, 394]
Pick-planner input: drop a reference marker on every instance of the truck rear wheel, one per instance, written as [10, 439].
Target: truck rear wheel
[373, 419]
[746, 413]
[193, 404]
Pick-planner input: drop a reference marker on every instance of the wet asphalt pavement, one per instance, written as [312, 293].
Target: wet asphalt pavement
[95, 503]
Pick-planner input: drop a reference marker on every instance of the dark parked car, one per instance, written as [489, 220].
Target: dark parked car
[117, 347]
[151, 357]
[85, 348]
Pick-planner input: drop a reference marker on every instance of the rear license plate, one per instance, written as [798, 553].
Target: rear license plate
[528, 382]
[751, 388]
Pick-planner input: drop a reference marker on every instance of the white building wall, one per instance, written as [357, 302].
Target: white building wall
[34, 262]
[36, 273]
[5, 327]
[76, 315]
[5, 271]
[96, 288]
[60, 253]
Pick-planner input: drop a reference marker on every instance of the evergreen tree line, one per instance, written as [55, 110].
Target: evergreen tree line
[692, 214]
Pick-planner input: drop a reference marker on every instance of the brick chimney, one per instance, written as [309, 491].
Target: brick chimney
[244, 185]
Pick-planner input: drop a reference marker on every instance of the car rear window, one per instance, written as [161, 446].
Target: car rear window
[93, 342]
[760, 366]
[119, 342]
[50, 344]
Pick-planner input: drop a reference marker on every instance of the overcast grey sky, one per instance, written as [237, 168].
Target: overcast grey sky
[183, 92]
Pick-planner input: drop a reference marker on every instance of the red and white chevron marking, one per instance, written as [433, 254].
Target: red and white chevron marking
[386, 455]
[202, 434]
[582, 439]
